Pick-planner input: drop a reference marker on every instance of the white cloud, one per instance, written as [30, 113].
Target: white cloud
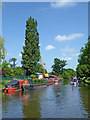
[49, 47]
[66, 58]
[63, 3]
[68, 49]
[76, 54]
[20, 55]
[69, 37]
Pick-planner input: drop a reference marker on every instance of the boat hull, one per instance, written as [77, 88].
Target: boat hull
[11, 89]
[73, 83]
[25, 87]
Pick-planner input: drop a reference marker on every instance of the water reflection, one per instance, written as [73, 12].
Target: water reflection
[31, 105]
[56, 101]
[85, 98]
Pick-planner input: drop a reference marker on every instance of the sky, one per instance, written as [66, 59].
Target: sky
[62, 27]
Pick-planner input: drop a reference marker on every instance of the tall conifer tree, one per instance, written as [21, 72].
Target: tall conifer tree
[31, 51]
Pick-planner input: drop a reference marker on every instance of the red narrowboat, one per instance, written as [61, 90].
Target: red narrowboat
[56, 80]
[13, 85]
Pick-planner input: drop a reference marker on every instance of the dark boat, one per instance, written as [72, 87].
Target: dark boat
[30, 84]
[13, 85]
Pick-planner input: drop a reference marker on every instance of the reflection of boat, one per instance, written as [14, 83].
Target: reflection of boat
[29, 84]
[13, 85]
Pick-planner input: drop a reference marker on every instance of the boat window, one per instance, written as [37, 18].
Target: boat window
[35, 81]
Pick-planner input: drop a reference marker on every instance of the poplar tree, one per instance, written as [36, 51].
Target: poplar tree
[31, 51]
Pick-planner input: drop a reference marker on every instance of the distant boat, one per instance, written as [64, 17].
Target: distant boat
[74, 81]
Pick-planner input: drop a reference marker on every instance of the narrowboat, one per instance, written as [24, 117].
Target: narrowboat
[13, 85]
[50, 81]
[30, 84]
[56, 80]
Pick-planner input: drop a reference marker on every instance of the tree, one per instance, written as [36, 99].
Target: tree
[58, 66]
[68, 73]
[83, 68]
[18, 71]
[14, 62]
[2, 49]
[31, 51]
[7, 71]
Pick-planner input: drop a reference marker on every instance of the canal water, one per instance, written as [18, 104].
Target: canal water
[55, 101]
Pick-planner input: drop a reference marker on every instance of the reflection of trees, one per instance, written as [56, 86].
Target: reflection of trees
[59, 93]
[7, 97]
[65, 82]
[84, 92]
[31, 107]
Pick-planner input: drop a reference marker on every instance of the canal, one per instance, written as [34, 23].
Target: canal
[55, 101]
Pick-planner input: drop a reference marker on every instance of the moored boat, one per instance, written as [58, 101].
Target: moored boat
[56, 80]
[30, 84]
[13, 85]
[50, 81]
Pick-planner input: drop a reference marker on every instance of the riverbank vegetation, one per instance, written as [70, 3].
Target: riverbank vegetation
[58, 68]
[83, 68]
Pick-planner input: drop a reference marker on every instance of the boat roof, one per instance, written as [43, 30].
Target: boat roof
[13, 82]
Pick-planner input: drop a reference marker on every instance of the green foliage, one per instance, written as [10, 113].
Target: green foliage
[83, 68]
[33, 76]
[50, 73]
[68, 73]
[58, 67]
[18, 71]
[7, 71]
[2, 49]
[31, 51]
[39, 68]
[3, 83]
[14, 62]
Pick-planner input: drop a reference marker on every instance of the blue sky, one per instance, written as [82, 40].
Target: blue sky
[62, 27]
